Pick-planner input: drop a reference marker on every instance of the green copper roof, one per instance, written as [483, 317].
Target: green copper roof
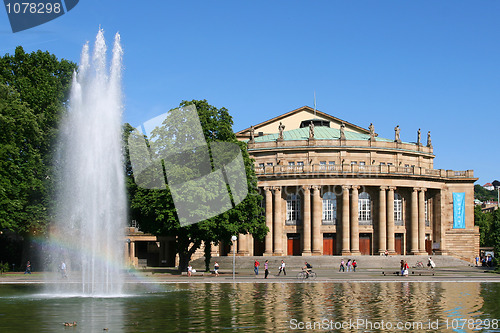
[320, 133]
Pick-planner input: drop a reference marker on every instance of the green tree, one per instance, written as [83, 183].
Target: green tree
[34, 90]
[154, 208]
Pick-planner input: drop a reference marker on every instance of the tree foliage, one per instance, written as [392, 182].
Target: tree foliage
[483, 194]
[489, 229]
[33, 91]
[154, 208]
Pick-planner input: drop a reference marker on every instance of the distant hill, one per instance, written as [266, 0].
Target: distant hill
[483, 194]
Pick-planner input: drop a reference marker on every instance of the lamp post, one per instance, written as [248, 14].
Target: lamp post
[234, 238]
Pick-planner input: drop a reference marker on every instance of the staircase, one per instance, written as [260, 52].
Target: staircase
[327, 262]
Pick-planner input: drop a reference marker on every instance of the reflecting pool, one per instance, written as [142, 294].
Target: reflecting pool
[260, 307]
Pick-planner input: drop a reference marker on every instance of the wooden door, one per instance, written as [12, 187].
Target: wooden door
[329, 244]
[293, 245]
[398, 243]
[365, 244]
[428, 246]
[258, 247]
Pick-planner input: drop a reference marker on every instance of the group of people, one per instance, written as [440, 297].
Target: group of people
[349, 266]
[281, 268]
[486, 261]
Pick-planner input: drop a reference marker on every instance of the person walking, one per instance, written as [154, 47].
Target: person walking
[28, 268]
[354, 265]
[266, 269]
[63, 270]
[256, 265]
[349, 265]
[216, 268]
[282, 268]
[342, 268]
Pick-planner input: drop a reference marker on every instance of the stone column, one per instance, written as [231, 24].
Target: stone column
[355, 220]
[382, 221]
[391, 248]
[421, 221]
[278, 223]
[306, 243]
[346, 249]
[242, 245]
[269, 221]
[414, 222]
[316, 221]
[132, 254]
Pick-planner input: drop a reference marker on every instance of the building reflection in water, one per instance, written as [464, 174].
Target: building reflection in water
[273, 306]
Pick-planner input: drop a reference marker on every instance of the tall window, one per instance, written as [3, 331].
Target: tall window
[398, 208]
[365, 209]
[329, 208]
[427, 222]
[292, 208]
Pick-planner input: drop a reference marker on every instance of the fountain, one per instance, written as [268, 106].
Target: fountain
[91, 200]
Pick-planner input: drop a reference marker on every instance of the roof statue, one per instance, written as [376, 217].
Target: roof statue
[252, 134]
[342, 131]
[311, 130]
[281, 127]
[429, 142]
[372, 131]
[419, 134]
[396, 134]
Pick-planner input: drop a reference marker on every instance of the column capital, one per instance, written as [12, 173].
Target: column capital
[355, 187]
[267, 188]
[316, 187]
[392, 188]
[423, 189]
[346, 187]
[416, 189]
[383, 188]
[276, 188]
[306, 187]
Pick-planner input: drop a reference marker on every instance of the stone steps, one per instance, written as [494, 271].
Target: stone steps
[327, 262]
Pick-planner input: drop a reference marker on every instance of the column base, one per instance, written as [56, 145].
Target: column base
[316, 253]
[242, 254]
[355, 253]
[277, 254]
[306, 253]
[345, 252]
[267, 254]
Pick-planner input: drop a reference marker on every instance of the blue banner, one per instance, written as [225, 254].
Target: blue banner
[459, 210]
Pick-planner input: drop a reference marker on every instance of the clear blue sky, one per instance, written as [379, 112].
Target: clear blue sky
[433, 65]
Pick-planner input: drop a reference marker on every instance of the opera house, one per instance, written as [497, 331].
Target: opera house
[334, 188]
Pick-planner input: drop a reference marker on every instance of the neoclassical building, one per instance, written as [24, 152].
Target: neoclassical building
[334, 188]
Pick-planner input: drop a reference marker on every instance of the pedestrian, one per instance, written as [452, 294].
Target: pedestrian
[266, 269]
[282, 268]
[28, 268]
[349, 265]
[477, 260]
[256, 265]
[342, 268]
[354, 265]
[216, 268]
[402, 268]
[63, 270]
[431, 264]
[190, 270]
[406, 269]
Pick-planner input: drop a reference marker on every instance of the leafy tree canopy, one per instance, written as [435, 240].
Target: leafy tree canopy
[33, 90]
[154, 208]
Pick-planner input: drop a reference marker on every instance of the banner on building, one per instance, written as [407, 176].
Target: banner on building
[459, 210]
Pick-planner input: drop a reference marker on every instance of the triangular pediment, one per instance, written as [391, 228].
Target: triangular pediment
[292, 120]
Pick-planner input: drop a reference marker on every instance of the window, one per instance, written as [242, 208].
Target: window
[362, 163]
[365, 211]
[331, 162]
[389, 163]
[322, 163]
[398, 209]
[269, 163]
[261, 165]
[291, 163]
[329, 208]
[292, 209]
[354, 162]
[300, 163]
[382, 163]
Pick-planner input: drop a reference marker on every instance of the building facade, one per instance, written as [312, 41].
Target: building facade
[333, 188]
